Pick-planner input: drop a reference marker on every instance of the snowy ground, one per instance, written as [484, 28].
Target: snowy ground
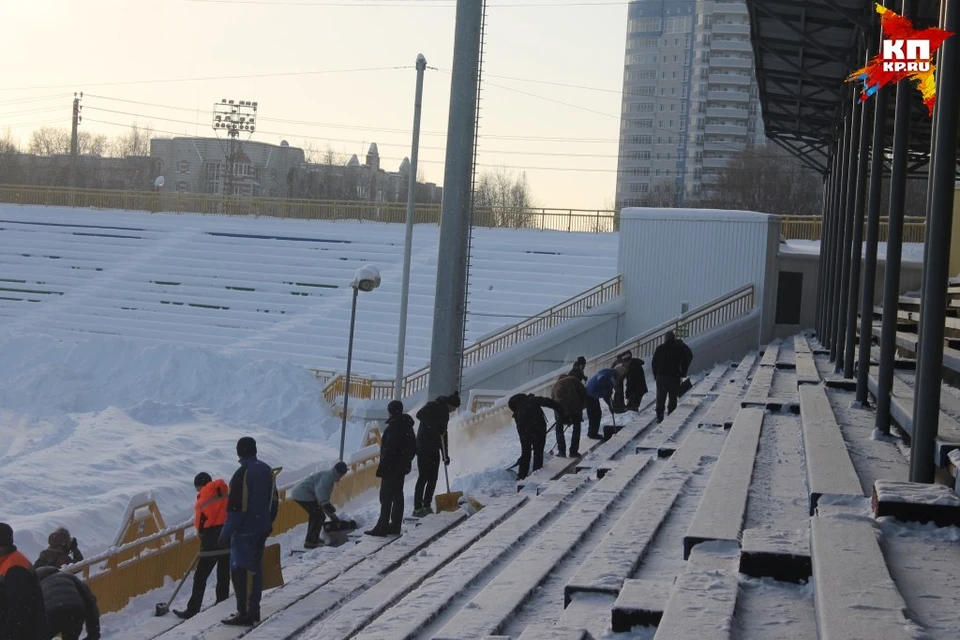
[912, 251]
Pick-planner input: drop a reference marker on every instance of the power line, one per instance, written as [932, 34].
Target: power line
[207, 78]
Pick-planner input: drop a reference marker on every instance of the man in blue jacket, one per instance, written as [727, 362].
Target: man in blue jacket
[600, 386]
[251, 510]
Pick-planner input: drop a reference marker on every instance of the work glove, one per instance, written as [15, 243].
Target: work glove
[73, 544]
[329, 509]
[446, 461]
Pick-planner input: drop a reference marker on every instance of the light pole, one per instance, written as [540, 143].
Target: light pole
[366, 278]
[408, 243]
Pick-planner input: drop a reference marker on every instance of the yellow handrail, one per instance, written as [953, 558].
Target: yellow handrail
[381, 389]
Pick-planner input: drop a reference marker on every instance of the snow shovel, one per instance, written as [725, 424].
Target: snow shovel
[164, 608]
[610, 429]
[449, 501]
[685, 386]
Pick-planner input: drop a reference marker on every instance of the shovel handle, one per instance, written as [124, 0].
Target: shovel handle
[193, 564]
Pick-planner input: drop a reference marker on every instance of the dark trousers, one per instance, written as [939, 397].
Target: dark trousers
[248, 584]
[634, 394]
[594, 415]
[428, 468]
[667, 386]
[562, 421]
[531, 443]
[205, 566]
[391, 501]
[316, 518]
[66, 621]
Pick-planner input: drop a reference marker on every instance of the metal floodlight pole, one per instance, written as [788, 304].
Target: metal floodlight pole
[869, 280]
[446, 343]
[891, 276]
[233, 116]
[937, 253]
[846, 233]
[408, 242]
[346, 383]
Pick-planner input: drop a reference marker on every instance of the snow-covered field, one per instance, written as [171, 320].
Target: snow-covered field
[912, 251]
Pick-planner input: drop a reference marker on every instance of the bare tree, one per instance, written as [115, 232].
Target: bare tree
[506, 198]
[769, 180]
[10, 170]
[136, 142]
[663, 193]
[53, 141]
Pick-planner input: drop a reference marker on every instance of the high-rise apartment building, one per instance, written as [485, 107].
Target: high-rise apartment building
[689, 97]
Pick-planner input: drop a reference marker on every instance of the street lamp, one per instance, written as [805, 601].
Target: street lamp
[366, 278]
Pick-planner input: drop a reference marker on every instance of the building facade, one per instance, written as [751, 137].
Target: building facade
[690, 98]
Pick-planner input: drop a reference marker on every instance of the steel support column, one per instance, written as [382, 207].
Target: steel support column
[821, 272]
[846, 247]
[856, 247]
[891, 280]
[837, 233]
[830, 237]
[869, 279]
[936, 272]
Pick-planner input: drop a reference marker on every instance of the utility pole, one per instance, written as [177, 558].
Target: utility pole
[408, 243]
[446, 343]
[74, 139]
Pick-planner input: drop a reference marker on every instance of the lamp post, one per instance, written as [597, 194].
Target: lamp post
[366, 278]
[408, 243]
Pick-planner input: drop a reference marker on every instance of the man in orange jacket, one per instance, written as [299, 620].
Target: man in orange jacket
[22, 612]
[210, 513]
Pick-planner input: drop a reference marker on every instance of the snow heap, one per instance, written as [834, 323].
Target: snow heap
[86, 426]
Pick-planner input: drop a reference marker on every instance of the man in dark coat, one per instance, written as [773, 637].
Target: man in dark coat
[635, 379]
[22, 614]
[531, 427]
[577, 369]
[398, 448]
[70, 605]
[670, 363]
[209, 514]
[571, 395]
[62, 549]
[599, 387]
[251, 510]
[431, 448]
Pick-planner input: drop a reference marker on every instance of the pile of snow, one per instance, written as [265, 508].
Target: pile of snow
[86, 426]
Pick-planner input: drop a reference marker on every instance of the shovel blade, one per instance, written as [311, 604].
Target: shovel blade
[448, 501]
[162, 610]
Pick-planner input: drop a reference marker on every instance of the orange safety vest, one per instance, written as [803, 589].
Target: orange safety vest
[11, 560]
[211, 507]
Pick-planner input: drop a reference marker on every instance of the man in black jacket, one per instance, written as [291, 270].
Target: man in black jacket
[398, 448]
[431, 447]
[670, 363]
[531, 427]
[22, 614]
[636, 380]
[577, 369]
[70, 604]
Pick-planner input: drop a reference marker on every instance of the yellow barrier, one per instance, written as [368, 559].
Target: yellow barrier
[145, 563]
[806, 228]
[366, 388]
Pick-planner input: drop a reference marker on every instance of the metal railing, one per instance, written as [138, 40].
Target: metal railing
[728, 307]
[807, 228]
[382, 389]
[125, 572]
[573, 220]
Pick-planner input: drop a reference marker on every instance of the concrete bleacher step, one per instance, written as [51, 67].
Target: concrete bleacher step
[710, 381]
[622, 550]
[743, 370]
[759, 389]
[207, 623]
[662, 438]
[901, 410]
[557, 466]
[722, 411]
[552, 633]
[855, 597]
[421, 605]
[722, 507]
[604, 452]
[806, 366]
[916, 502]
[704, 598]
[640, 604]
[780, 555]
[384, 586]
[488, 612]
[770, 354]
[829, 468]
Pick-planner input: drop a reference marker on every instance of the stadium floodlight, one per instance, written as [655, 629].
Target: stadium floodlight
[233, 116]
[366, 278]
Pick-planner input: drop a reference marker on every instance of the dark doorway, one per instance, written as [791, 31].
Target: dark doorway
[789, 297]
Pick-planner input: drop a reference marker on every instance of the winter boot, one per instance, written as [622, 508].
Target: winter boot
[184, 615]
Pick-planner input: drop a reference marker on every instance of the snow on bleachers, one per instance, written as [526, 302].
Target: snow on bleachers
[273, 287]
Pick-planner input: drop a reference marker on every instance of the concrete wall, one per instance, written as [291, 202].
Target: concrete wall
[911, 277]
[731, 341]
[671, 256]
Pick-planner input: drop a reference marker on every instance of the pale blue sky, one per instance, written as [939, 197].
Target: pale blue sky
[55, 47]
